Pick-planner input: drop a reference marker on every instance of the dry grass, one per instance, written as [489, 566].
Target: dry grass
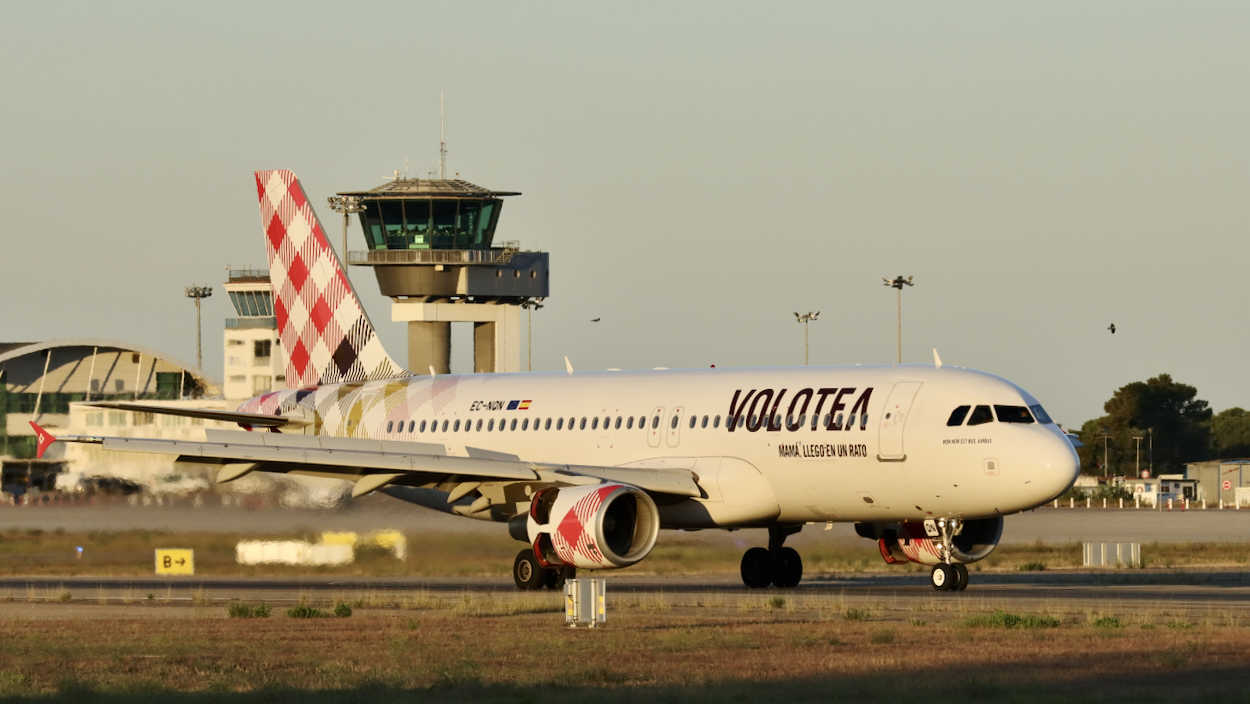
[130, 553]
[484, 648]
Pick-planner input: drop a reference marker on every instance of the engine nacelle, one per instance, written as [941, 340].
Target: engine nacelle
[595, 527]
[908, 542]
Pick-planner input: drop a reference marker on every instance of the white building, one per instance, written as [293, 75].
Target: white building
[253, 360]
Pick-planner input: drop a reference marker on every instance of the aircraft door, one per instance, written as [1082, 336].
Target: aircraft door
[674, 426]
[893, 418]
[654, 422]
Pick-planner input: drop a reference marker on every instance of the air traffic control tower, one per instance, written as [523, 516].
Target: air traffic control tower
[432, 246]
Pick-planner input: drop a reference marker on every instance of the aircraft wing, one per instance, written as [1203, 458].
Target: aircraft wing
[373, 464]
[256, 420]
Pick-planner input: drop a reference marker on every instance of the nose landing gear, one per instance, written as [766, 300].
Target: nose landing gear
[947, 575]
[777, 565]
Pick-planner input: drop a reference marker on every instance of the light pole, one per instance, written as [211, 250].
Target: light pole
[198, 292]
[1138, 439]
[1105, 436]
[530, 307]
[899, 283]
[805, 319]
[345, 205]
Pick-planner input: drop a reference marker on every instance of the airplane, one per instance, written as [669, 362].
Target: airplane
[587, 467]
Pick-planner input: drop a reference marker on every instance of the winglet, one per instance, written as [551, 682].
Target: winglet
[568, 365]
[937, 361]
[45, 439]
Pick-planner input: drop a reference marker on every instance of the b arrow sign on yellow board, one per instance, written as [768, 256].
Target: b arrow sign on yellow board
[175, 561]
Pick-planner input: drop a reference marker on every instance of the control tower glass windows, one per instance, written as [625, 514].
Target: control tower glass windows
[393, 224]
[417, 223]
[252, 304]
[449, 223]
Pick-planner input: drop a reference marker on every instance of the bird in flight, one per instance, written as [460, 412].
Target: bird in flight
[596, 320]
[1111, 328]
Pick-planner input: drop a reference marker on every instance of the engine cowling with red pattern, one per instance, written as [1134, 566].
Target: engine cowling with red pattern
[909, 542]
[595, 527]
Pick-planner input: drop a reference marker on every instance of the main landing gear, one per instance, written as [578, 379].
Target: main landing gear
[530, 575]
[776, 565]
[948, 575]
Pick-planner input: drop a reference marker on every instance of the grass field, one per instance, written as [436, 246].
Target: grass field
[475, 648]
[130, 553]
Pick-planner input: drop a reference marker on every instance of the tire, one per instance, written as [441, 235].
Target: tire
[787, 568]
[757, 568]
[526, 572]
[961, 572]
[943, 577]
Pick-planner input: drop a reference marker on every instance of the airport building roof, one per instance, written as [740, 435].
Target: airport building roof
[428, 188]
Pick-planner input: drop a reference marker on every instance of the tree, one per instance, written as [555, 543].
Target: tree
[1158, 407]
[1230, 433]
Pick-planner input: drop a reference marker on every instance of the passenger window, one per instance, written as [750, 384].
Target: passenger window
[456, 427]
[594, 423]
[559, 424]
[583, 426]
[606, 422]
[716, 422]
[525, 424]
[548, 425]
[618, 423]
[958, 415]
[1013, 414]
[655, 422]
[704, 424]
[673, 425]
[981, 415]
[490, 426]
[629, 423]
[513, 426]
[445, 426]
[411, 424]
[422, 429]
[390, 426]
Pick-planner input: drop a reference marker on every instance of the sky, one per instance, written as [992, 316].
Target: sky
[697, 171]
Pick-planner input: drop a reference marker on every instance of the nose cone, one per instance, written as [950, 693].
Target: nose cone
[1053, 465]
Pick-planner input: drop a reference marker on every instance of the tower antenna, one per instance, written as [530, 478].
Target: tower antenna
[442, 139]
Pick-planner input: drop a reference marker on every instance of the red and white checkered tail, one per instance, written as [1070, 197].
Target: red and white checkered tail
[326, 336]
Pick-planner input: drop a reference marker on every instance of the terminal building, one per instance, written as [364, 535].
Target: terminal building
[431, 244]
[40, 381]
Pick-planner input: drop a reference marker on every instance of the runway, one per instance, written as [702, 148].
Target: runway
[1191, 593]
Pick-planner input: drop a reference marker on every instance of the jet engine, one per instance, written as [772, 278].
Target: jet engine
[596, 527]
[909, 542]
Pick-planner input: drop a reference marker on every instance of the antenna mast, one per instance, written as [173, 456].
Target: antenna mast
[442, 139]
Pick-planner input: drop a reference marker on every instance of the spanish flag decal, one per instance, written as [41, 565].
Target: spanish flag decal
[524, 406]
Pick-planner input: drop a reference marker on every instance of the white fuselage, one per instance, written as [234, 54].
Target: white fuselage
[787, 461]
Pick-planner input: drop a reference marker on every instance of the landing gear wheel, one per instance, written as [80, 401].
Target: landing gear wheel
[757, 568]
[526, 571]
[943, 577]
[962, 573]
[787, 568]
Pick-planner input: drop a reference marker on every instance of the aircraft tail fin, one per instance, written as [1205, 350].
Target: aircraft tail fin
[325, 333]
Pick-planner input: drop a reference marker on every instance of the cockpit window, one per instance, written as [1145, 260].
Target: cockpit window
[958, 415]
[1040, 414]
[981, 414]
[1013, 414]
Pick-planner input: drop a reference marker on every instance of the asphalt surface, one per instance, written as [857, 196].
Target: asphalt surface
[1047, 524]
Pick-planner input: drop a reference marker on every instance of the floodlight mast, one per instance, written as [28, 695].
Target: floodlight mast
[198, 292]
[347, 205]
[899, 283]
[805, 319]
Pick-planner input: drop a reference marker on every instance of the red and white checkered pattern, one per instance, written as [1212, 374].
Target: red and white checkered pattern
[326, 336]
[574, 536]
